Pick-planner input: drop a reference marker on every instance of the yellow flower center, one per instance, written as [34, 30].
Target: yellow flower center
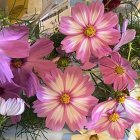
[17, 62]
[138, 98]
[114, 117]
[119, 70]
[137, 132]
[65, 98]
[90, 31]
[121, 99]
[94, 137]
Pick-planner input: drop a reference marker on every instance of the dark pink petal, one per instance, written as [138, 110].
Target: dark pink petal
[116, 57]
[88, 65]
[69, 26]
[14, 33]
[70, 43]
[8, 48]
[110, 78]
[108, 20]
[15, 119]
[80, 13]
[116, 130]
[96, 11]
[42, 47]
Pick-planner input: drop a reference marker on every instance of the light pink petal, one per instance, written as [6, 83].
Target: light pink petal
[56, 118]
[127, 37]
[132, 107]
[76, 121]
[14, 49]
[70, 43]
[69, 26]
[14, 107]
[99, 109]
[83, 52]
[100, 126]
[99, 48]
[96, 11]
[109, 36]
[43, 108]
[108, 20]
[83, 105]
[54, 81]
[45, 94]
[42, 47]
[2, 106]
[124, 26]
[80, 13]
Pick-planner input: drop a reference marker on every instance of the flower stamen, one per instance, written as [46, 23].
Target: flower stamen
[119, 70]
[90, 31]
[65, 98]
[121, 99]
[114, 117]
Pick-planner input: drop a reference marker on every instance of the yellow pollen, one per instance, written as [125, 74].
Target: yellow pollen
[138, 98]
[114, 117]
[17, 62]
[137, 132]
[90, 31]
[119, 70]
[121, 99]
[65, 98]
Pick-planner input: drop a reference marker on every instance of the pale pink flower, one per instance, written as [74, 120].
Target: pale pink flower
[127, 36]
[11, 107]
[131, 107]
[114, 120]
[66, 99]
[117, 71]
[89, 31]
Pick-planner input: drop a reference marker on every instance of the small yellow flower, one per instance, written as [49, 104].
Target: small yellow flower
[134, 132]
[92, 135]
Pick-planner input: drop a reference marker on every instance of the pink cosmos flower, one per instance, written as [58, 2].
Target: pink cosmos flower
[131, 107]
[9, 90]
[11, 39]
[115, 121]
[117, 70]
[127, 35]
[66, 99]
[23, 67]
[11, 107]
[89, 31]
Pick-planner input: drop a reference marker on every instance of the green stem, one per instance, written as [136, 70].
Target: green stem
[130, 50]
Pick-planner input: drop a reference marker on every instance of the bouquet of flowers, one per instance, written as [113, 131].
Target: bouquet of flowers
[84, 75]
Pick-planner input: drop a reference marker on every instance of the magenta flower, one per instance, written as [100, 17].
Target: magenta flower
[89, 31]
[9, 90]
[13, 44]
[23, 67]
[115, 121]
[127, 35]
[117, 70]
[11, 107]
[67, 94]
